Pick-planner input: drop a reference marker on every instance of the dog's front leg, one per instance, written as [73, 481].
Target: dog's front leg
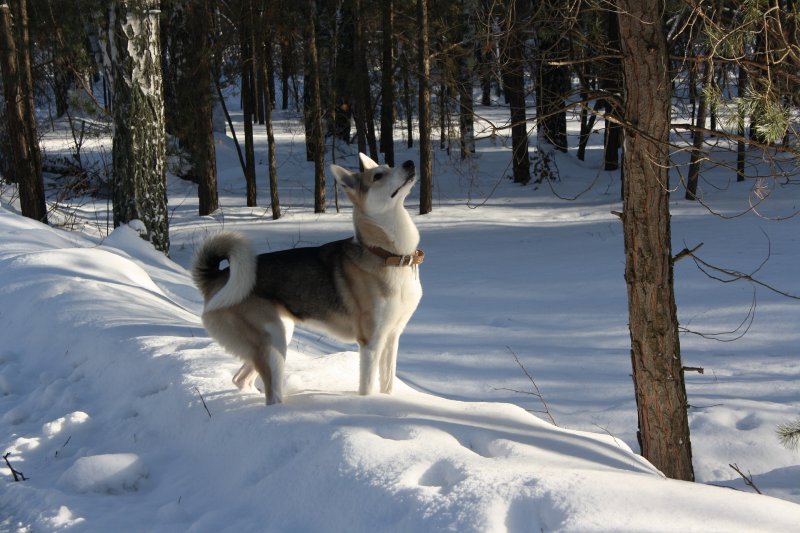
[388, 363]
[368, 367]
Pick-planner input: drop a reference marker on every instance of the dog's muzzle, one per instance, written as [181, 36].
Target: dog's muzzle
[411, 173]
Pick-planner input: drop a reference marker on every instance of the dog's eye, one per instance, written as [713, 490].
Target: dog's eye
[377, 176]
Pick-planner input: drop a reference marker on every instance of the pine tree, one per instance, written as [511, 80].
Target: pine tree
[513, 61]
[425, 156]
[316, 134]
[655, 349]
[18, 91]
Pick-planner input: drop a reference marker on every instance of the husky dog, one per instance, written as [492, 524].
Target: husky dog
[364, 288]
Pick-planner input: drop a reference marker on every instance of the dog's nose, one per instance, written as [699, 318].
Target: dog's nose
[408, 166]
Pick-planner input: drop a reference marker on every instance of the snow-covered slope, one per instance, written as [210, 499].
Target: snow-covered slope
[119, 411]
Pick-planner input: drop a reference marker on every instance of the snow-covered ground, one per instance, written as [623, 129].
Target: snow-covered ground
[120, 412]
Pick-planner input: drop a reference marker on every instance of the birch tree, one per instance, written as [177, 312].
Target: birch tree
[139, 172]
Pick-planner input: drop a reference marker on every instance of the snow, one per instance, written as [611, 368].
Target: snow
[120, 411]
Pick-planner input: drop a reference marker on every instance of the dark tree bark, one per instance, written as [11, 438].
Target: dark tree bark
[387, 83]
[344, 71]
[513, 61]
[286, 70]
[424, 65]
[315, 110]
[741, 148]
[655, 349]
[198, 83]
[247, 70]
[139, 150]
[361, 99]
[698, 137]
[610, 82]
[407, 100]
[464, 83]
[552, 86]
[264, 41]
[20, 115]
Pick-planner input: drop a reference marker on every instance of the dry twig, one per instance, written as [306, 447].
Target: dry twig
[748, 480]
[536, 392]
[18, 476]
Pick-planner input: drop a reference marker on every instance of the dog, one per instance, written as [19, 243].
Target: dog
[364, 288]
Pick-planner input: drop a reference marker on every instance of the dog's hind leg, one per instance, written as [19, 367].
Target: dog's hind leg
[245, 378]
[388, 362]
[271, 359]
[261, 364]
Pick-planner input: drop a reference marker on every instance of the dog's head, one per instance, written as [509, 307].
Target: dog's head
[379, 187]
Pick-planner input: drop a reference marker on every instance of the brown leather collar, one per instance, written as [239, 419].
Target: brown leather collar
[391, 259]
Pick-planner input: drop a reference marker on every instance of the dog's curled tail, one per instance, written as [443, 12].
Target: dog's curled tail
[239, 279]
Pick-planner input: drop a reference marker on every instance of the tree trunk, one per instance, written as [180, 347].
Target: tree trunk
[139, 148]
[245, 40]
[343, 71]
[655, 349]
[20, 115]
[698, 137]
[424, 64]
[387, 83]
[513, 61]
[318, 142]
[286, 71]
[552, 86]
[201, 131]
[741, 148]
[263, 42]
[360, 79]
[465, 59]
[407, 100]
[611, 83]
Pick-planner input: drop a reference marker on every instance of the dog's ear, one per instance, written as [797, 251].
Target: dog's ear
[366, 162]
[344, 177]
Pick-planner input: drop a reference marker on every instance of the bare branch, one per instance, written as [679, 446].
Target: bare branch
[748, 480]
[18, 476]
[536, 392]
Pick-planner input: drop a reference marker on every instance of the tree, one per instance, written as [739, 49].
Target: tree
[248, 96]
[552, 81]
[655, 349]
[266, 109]
[424, 64]
[512, 58]
[466, 58]
[698, 136]
[139, 172]
[611, 85]
[18, 90]
[387, 82]
[317, 138]
[361, 98]
[195, 100]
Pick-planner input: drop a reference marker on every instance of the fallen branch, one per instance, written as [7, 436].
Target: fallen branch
[18, 476]
[748, 480]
